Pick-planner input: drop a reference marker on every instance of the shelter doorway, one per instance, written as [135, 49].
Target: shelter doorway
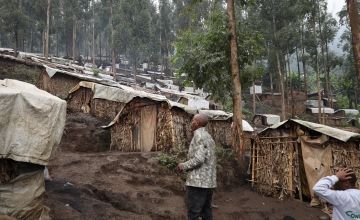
[148, 128]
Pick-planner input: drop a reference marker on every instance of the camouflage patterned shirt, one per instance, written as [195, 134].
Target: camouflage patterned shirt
[201, 164]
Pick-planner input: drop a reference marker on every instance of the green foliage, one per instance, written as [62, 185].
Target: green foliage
[251, 73]
[96, 72]
[204, 55]
[171, 159]
[167, 160]
[132, 24]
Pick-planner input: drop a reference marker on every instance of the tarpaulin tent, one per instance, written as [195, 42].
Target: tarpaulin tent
[31, 126]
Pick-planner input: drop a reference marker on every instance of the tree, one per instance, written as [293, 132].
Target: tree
[133, 30]
[13, 19]
[279, 16]
[236, 84]
[46, 51]
[354, 18]
[166, 34]
[204, 56]
[93, 32]
[111, 25]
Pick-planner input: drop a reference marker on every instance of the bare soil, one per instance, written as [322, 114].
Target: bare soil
[89, 182]
[116, 185]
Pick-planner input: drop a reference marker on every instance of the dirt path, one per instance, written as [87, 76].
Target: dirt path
[133, 186]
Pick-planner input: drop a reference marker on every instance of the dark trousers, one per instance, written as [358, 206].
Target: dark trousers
[199, 203]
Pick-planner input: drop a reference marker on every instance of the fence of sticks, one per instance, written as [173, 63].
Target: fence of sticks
[287, 159]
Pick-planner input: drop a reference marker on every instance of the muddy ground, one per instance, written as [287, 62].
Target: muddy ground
[89, 182]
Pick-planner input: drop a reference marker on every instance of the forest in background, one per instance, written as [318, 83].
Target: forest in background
[190, 39]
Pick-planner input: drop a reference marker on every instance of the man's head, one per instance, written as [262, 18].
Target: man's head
[347, 179]
[198, 121]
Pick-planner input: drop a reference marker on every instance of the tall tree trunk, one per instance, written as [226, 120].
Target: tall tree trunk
[31, 40]
[16, 40]
[43, 41]
[74, 38]
[57, 44]
[100, 47]
[236, 84]
[354, 17]
[317, 73]
[303, 60]
[23, 44]
[282, 90]
[254, 98]
[324, 64]
[112, 41]
[93, 33]
[46, 51]
[298, 67]
[270, 76]
[291, 88]
[281, 77]
[328, 75]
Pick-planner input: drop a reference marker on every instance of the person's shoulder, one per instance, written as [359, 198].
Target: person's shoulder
[200, 131]
[350, 193]
[353, 192]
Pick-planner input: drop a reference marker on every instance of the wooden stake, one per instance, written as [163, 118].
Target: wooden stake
[291, 170]
[253, 163]
[298, 168]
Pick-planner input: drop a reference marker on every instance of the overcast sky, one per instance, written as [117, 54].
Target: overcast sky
[334, 6]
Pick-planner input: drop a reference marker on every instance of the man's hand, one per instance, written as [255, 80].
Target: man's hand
[344, 174]
[180, 167]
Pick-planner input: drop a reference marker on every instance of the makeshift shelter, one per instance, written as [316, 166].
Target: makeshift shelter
[57, 77]
[141, 121]
[349, 113]
[288, 158]
[82, 98]
[219, 127]
[144, 121]
[31, 126]
[323, 110]
[266, 119]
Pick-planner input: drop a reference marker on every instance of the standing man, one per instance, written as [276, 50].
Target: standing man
[345, 197]
[201, 168]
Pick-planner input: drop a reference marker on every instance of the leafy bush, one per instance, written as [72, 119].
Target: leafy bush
[225, 157]
[167, 160]
[96, 72]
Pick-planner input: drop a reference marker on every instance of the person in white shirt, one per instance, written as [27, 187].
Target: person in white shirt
[340, 190]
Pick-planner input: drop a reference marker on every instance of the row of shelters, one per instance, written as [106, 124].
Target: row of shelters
[139, 119]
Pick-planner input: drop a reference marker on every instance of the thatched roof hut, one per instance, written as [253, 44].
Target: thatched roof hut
[142, 121]
[288, 158]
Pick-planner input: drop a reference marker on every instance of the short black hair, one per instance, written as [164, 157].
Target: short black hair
[352, 179]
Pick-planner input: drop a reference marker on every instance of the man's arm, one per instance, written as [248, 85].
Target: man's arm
[323, 189]
[197, 160]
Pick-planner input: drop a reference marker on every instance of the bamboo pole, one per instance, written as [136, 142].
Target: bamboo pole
[298, 168]
[291, 170]
[253, 164]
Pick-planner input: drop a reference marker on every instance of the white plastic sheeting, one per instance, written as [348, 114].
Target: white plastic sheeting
[323, 110]
[349, 112]
[221, 115]
[323, 129]
[31, 122]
